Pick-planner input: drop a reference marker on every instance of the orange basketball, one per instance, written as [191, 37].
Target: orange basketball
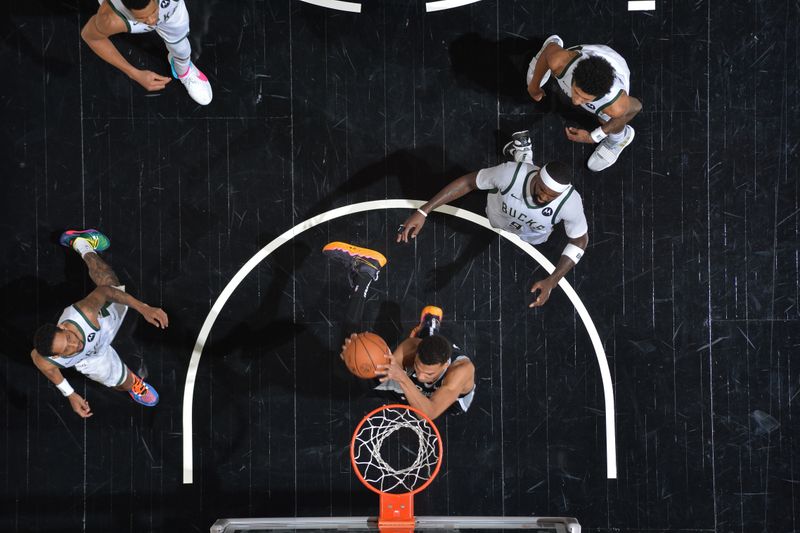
[364, 353]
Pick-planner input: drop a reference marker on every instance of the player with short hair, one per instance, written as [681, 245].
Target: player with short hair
[525, 200]
[426, 370]
[594, 78]
[85, 330]
[168, 18]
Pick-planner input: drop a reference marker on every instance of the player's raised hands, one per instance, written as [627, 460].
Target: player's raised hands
[392, 369]
[411, 227]
[545, 287]
[79, 405]
[150, 80]
[346, 343]
[155, 316]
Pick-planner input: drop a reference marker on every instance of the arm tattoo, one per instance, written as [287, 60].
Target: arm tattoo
[100, 272]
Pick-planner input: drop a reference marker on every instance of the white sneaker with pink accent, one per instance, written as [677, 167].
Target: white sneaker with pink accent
[196, 83]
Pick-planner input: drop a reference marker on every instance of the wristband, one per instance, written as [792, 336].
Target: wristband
[65, 388]
[421, 212]
[598, 134]
[573, 252]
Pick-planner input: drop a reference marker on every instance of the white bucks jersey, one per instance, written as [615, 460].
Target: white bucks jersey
[510, 205]
[173, 19]
[94, 340]
[622, 77]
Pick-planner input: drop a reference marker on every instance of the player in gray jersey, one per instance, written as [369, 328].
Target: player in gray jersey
[82, 337]
[170, 20]
[594, 78]
[525, 200]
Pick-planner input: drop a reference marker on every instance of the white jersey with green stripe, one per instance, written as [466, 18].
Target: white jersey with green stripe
[622, 77]
[95, 340]
[510, 206]
[173, 19]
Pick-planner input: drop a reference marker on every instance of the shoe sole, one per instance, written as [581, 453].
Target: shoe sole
[355, 252]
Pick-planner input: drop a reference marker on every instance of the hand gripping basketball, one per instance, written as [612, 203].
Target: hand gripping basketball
[363, 352]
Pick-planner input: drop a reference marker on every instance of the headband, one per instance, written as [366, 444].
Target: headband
[550, 183]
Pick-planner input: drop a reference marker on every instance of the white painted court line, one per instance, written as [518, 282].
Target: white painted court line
[641, 5]
[376, 205]
[352, 7]
[447, 4]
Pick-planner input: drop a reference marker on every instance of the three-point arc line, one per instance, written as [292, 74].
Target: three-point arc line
[376, 205]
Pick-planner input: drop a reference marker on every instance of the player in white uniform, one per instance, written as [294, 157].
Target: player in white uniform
[596, 79]
[170, 20]
[85, 330]
[526, 200]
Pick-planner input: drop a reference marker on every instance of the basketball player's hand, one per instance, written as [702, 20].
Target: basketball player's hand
[411, 227]
[150, 80]
[155, 316]
[346, 343]
[391, 370]
[545, 287]
[578, 135]
[537, 93]
[79, 405]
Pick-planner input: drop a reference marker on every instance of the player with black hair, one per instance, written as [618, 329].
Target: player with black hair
[595, 79]
[83, 334]
[525, 200]
[168, 18]
[426, 370]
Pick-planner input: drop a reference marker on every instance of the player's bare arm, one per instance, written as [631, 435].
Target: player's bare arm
[554, 58]
[52, 373]
[621, 112]
[458, 380]
[96, 33]
[565, 264]
[452, 191]
[91, 305]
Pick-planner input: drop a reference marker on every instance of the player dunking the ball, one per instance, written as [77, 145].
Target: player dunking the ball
[85, 330]
[426, 370]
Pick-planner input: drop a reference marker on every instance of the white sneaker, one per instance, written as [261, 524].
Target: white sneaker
[552, 39]
[607, 152]
[196, 83]
[520, 147]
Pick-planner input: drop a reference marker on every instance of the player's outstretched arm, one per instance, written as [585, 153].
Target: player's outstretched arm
[565, 264]
[51, 372]
[99, 297]
[552, 58]
[621, 112]
[96, 33]
[452, 191]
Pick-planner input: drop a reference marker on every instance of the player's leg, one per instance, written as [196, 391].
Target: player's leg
[430, 322]
[609, 149]
[107, 368]
[363, 267]
[175, 34]
[87, 243]
[139, 390]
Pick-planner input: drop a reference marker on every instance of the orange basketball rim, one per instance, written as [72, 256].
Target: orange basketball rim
[395, 484]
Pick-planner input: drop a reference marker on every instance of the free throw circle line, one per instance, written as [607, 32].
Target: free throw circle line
[375, 205]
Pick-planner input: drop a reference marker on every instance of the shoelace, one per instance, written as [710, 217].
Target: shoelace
[138, 387]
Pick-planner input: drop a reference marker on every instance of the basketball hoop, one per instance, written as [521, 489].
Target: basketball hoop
[384, 438]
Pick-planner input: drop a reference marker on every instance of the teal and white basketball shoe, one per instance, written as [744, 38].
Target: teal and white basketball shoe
[96, 239]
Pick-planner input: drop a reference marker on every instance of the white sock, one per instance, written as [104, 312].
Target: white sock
[617, 137]
[82, 246]
[181, 66]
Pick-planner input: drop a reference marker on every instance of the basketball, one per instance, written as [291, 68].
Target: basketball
[364, 353]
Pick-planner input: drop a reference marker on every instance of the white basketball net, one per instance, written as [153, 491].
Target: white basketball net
[376, 470]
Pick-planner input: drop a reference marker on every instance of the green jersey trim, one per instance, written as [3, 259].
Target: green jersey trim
[51, 360]
[124, 375]
[514, 179]
[79, 329]
[571, 61]
[123, 17]
[553, 220]
[601, 108]
[85, 318]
